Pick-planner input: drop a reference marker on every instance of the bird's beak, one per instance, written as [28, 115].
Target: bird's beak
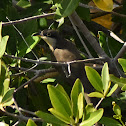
[50, 41]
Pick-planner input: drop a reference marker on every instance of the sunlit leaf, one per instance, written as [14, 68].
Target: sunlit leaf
[106, 5]
[116, 108]
[122, 62]
[60, 88]
[105, 78]
[93, 118]
[3, 44]
[80, 105]
[59, 101]
[76, 90]
[46, 117]
[112, 90]
[8, 96]
[123, 88]
[120, 81]
[31, 123]
[66, 7]
[59, 115]
[96, 94]
[94, 78]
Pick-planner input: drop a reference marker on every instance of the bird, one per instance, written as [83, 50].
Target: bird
[65, 51]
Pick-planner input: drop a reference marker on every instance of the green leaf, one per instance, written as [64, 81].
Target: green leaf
[48, 80]
[8, 96]
[0, 66]
[116, 109]
[80, 104]
[120, 81]
[76, 90]
[0, 31]
[8, 103]
[109, 122]
[31, 41]
[92, 118]
[112, 90]
[122, 62]
[31, 123]
[3, 44]
[4, 79]
[60, 88]
[105, 78]
[96, 94]
[59, 115]
[66, 7]
[94, 78]
[46, 117]
[123, 88]
[59, 101]
[89, 109]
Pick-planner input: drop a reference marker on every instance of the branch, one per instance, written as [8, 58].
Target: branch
[75, 28]
[27, 19]
[21, 117]
[92, 60]
[121, 52]
[93, 42]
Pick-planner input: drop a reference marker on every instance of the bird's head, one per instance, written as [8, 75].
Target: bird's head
[51, 37]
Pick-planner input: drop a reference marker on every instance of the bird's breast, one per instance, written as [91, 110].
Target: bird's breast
[63, 55]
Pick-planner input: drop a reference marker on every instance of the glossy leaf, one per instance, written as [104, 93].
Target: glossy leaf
[80, 104]
[113, 89]
[105, 5]
[122, 62]
[93, 118]
[60, 88]
[0, 31]
[59, 101]
[3, 44]
[94, 78]
[120, 81]
[89, 109]
[123, 88]
[31, 123]
[116, 109]
[96, 94]
[49, 118]
[109, 122]
[66, 7]
[60, 115]
[8, 96]
[105, 78]
[76, 90]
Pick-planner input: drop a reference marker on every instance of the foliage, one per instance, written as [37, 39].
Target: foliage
[50, 101]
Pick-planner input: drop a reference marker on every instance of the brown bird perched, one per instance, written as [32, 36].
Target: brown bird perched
[65, 51]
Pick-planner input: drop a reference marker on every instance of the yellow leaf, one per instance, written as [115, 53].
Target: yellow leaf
[105, 5]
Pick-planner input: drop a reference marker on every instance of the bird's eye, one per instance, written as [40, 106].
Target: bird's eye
[48, 34]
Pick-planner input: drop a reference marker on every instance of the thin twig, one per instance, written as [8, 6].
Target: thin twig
[27, 19]
[33, 78]
[43, 71]
[92, 60]
[99, 103]
[23, 39]
[75, 28]
[23, 110]
[121, 52]
[93, 42]
[21, 117]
